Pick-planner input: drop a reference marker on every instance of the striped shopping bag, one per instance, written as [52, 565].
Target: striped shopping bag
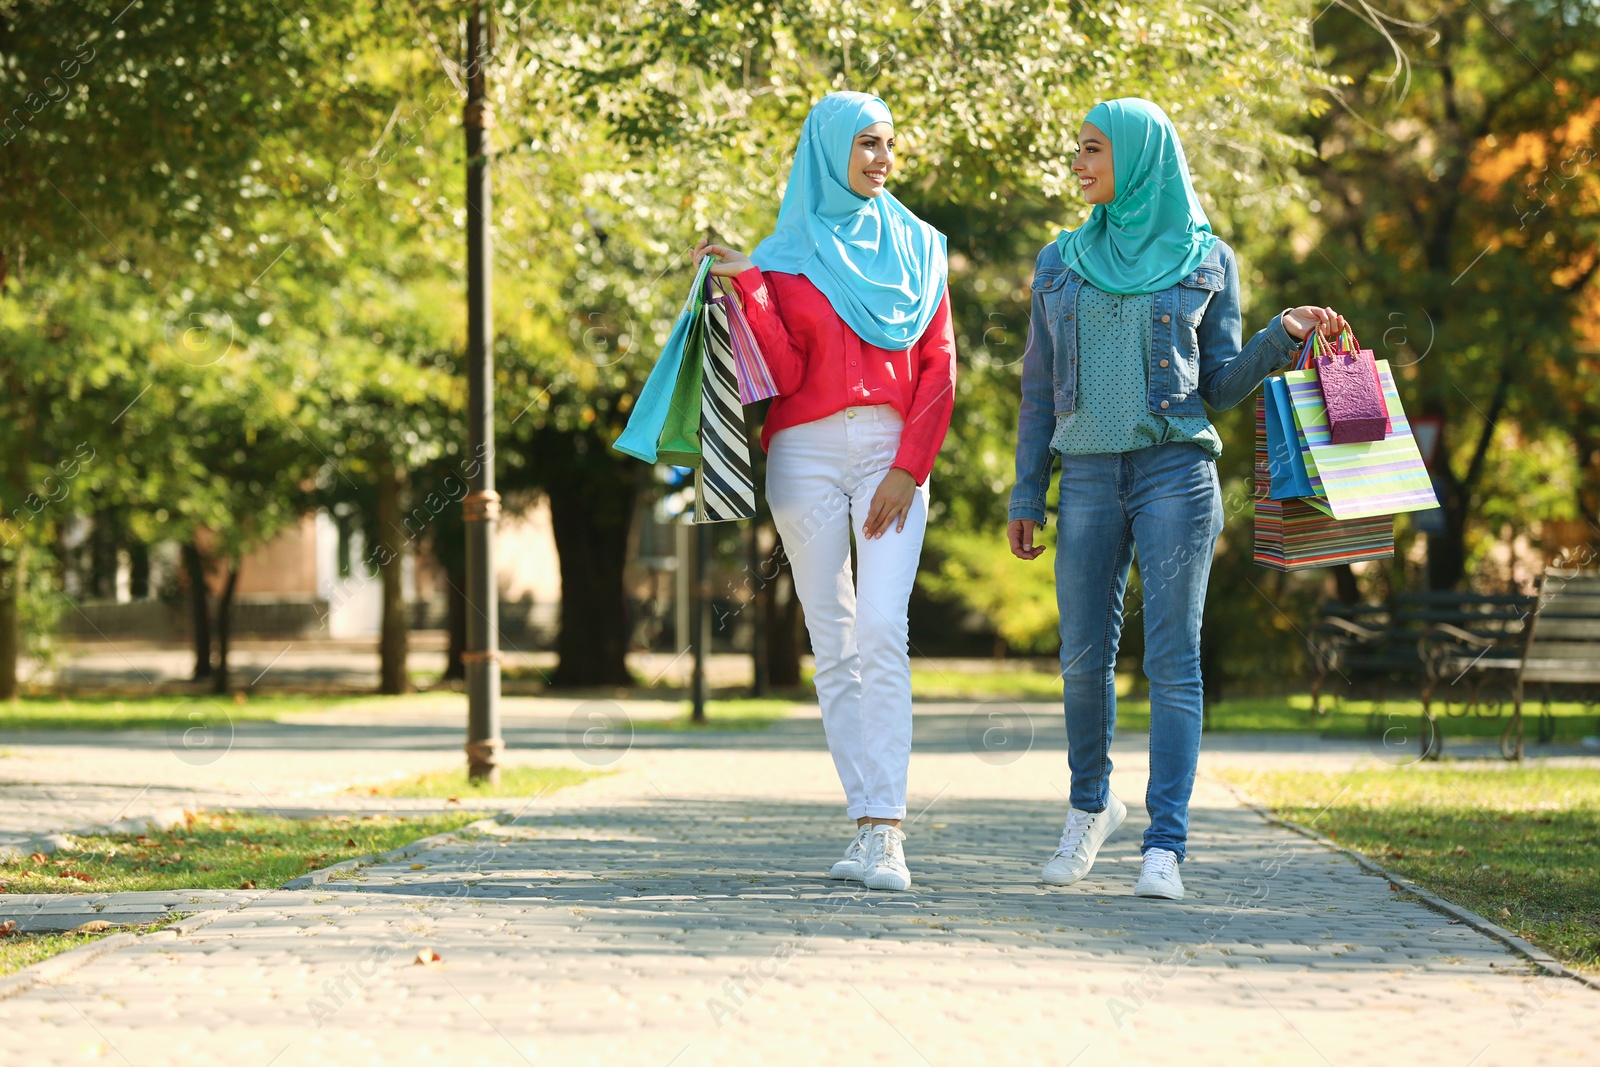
[1357, 481]
[724, 482]
[750, 366]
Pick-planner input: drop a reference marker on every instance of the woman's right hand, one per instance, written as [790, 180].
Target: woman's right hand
[1020, 533]
[729, 263]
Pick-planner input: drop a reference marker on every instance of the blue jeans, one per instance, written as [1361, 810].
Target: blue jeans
[1166, 500]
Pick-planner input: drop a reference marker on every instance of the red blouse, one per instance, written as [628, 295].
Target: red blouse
[820, 366]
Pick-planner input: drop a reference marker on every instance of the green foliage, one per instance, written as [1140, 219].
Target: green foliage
[1018, 597]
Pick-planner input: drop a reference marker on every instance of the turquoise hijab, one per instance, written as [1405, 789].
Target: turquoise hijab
[1154, 231]
[882, 268]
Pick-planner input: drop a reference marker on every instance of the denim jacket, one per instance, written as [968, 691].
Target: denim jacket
[1195, 356]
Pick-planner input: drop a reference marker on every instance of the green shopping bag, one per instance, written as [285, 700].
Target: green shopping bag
[680, 434]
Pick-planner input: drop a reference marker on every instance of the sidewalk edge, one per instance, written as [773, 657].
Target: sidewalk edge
[1535, 955]
[394, 855]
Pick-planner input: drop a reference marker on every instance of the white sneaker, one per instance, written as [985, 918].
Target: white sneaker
[854, 865]
[886, 859]
[1160, 876]
[1085, 832]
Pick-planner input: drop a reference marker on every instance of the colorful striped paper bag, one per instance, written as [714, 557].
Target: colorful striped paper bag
[1359, 480]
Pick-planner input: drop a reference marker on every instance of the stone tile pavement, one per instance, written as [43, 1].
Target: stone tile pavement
[673, 914]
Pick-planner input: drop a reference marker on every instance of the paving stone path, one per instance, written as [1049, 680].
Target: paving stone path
[673, 914]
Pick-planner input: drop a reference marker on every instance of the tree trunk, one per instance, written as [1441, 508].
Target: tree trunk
[219, 680]
[757, 562]
[1345, 588]
[194, 568]
[13, 577]
[393, 638]
[138, 570]
[782, 609]
[592, 492]
[103, 538]
[449, 542]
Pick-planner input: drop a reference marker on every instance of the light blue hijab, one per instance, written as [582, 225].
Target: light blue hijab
[882, 268]
[1154, 231]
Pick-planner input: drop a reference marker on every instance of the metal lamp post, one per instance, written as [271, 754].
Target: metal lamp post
[481, 506]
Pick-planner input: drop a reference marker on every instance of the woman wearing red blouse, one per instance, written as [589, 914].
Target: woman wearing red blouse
[847, 301]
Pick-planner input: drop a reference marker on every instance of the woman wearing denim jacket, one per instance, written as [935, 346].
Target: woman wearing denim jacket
[1135, 322]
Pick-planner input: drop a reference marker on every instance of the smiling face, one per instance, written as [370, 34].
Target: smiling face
[1093, 166]
[871, 159]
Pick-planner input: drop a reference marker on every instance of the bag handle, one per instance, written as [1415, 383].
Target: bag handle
[1314, 345]
[1347, 340]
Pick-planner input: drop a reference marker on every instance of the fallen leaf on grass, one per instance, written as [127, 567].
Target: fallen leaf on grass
[452, 800]
[8, 928]
[247, 884]
[93, 926]
[349, 842]
[39, 857]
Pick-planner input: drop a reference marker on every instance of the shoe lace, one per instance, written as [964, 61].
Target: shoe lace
[885, 849]
[858, 844]
[1159, 863]
[1072, 835]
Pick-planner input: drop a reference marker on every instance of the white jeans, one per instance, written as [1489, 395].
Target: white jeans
[820, 479]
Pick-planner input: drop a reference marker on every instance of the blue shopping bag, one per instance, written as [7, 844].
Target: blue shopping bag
[1284, 460]
[641, 436]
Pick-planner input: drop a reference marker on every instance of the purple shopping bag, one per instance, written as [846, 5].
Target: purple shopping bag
[1348, 376]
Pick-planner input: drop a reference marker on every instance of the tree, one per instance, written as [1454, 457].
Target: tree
[1455, 213]
[636, 128]
[139, 141]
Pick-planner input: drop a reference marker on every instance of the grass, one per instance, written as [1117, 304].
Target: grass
[223, 850]
[151, 713]
[1288, 713]
[1518, 846]
[514, 782]
[23, 950]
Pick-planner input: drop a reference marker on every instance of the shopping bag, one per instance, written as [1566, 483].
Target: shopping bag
[1286, 462]
[724, 483]
[1293, 535]
[680, 432]
[1351, 393]
[750, 366]
[1359, 480]
[640, 438]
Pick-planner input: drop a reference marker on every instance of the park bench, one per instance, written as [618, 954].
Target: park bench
[1372, 649]
[1556, 647]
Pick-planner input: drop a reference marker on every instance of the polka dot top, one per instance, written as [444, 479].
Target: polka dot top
[1113, 411]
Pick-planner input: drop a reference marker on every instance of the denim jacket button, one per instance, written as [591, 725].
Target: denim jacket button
[1165, 404]
[1166, 318]
[1166, 363]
